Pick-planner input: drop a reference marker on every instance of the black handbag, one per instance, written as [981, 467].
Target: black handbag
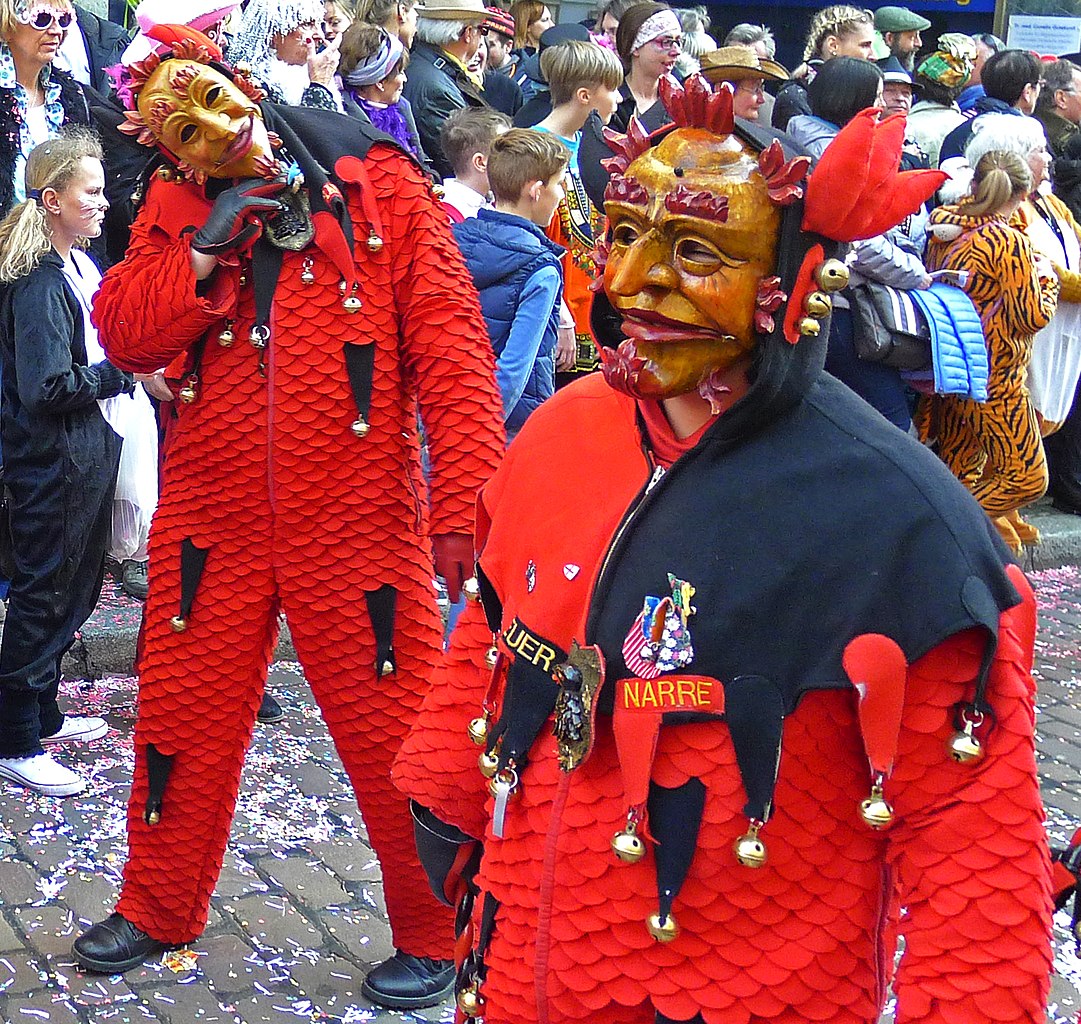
[889, 328]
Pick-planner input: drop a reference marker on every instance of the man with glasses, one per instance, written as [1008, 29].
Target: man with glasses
[1058, 107]
[449, 33]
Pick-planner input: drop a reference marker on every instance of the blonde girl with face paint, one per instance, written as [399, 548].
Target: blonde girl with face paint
[60, 453]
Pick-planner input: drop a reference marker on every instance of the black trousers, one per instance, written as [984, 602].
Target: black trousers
[1063, 450]
[60, 533]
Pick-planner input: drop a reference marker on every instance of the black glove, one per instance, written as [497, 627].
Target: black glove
[229, 224]
[450, 858]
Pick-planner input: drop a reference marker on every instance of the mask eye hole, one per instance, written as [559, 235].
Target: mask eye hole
[187, 133]
[625, 234]
[213, 94]
[698, 257]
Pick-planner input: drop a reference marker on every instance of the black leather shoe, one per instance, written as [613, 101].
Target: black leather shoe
[115, 945]
[407, 982]
[270, 711]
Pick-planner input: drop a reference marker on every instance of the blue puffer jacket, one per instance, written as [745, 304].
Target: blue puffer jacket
[502, 252]
[958, 349]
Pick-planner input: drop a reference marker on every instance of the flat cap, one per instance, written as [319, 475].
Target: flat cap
[899, 19]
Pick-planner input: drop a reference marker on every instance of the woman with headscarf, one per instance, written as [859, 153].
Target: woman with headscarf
[373, 74]
[649, 41]
[940, 78]
[280, 40]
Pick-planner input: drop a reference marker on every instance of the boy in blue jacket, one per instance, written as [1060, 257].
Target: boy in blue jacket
[517, 268]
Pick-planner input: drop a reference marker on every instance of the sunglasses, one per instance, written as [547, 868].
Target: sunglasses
[42, 19]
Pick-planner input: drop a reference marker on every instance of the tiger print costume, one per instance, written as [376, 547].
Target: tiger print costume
[994, 448]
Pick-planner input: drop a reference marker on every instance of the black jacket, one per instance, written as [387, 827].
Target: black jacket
[436, 87]
[953, 145]
[60, 461]
[503, 93]
[105, 43]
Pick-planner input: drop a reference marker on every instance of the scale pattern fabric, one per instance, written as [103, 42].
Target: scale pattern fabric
[299, 514]
[811, 935]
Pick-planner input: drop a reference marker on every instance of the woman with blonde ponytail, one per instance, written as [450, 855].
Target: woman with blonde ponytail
[994, 447]
[60, 455]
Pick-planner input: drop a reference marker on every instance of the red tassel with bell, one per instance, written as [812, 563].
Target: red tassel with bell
[878, 669]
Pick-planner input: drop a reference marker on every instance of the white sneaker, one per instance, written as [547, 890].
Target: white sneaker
[43, 774]
[77, 729]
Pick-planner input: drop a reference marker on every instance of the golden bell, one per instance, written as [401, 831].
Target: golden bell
[478, 730]
[876, 810]
[750, 850]
[471, 589]
[226, 338]
[831, 276]
[306, 276]
[387, 668]
[964, 748]
[153, 817]
[818, 305]
[809, 327]
[360, 427]
[628, 847]
[187, 393]
[489, 763]
[351, 304]
[178, 623]
[491, 656]
[343, 286]
[662, 931]
[470, 1001]
[375, 243]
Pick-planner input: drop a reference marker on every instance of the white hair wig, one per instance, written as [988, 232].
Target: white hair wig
[1008, 133]
[262, 21]
[991, 133]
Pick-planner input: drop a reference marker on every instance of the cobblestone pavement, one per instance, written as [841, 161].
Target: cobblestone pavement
[299, 914]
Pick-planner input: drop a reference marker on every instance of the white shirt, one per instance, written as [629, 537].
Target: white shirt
[466, 200]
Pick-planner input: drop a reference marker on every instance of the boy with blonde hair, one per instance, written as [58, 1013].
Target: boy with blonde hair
[516, 267]
[584, 79]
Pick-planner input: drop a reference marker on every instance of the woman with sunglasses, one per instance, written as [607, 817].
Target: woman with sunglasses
[36, 99]
[649, 41]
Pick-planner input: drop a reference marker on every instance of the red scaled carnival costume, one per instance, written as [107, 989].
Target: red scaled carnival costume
[758, 694]
[293, 482]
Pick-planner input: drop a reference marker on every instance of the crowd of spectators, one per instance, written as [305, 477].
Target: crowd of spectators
[447, 79]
